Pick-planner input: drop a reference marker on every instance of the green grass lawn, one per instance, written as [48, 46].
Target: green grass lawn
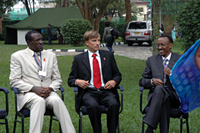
[130, 118]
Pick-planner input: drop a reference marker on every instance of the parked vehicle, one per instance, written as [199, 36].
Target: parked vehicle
[138, 32]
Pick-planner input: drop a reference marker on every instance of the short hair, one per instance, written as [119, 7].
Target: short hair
[169, 38]
[28, 36]
[107, 23]
[90, 34]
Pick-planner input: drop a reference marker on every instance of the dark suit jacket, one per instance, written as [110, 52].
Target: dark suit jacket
[81, 70]
[154, 69]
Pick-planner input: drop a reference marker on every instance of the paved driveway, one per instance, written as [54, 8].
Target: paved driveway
[135, 51]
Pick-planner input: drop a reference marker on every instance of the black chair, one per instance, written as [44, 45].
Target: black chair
[83, 109]
[25, 112]
[4, 112]
[174, 113]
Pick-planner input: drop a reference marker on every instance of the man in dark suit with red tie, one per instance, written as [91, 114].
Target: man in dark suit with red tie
[96, 74]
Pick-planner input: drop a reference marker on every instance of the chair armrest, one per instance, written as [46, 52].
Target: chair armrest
[16, 91]
[75, 89]
[122, 101]
[121, 88]
[62, 89]
[4, 89]
[141, 97]
[62, 92]
[75, 97]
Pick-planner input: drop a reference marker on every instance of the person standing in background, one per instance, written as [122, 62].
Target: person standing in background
[173, 33]
[49, 34]
[107, 35]
[59, 36]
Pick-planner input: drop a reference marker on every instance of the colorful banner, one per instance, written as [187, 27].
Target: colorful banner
[185, 79]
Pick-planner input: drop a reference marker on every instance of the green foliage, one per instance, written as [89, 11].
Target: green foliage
[2, 36]
[73, 31]
[122, 29]
[188, 21]
[5, 5]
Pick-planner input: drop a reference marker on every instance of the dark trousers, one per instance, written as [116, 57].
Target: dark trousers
[49, 40]
[160, 103]
[109, 43]
[92, 100]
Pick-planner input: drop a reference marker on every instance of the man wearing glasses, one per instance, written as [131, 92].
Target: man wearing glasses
[161, 96]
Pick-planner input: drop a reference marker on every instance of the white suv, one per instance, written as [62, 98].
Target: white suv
[138, 32]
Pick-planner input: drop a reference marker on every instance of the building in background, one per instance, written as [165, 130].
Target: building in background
[142, 6]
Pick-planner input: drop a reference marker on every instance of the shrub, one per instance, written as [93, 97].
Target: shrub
[2, 36]
[73, 31]
[122, 29]
[189, 23]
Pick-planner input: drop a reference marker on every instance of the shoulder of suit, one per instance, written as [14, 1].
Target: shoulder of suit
[105, 52]
[19, 52]
[80, 55]
[176, 55]
[153, 56]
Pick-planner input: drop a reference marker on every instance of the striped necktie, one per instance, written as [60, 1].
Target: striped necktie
[38, 61]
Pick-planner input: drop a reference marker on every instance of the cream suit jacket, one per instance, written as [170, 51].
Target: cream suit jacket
[24, 73]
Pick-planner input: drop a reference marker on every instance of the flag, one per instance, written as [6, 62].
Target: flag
[185, 78]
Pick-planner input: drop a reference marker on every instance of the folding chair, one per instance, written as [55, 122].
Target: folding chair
[25, 112]
[4, 112]
[83, 109]
[174, 113]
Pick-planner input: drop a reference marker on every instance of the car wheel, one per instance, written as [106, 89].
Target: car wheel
[129, 43]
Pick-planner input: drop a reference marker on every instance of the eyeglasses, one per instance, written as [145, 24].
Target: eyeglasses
[161, 45]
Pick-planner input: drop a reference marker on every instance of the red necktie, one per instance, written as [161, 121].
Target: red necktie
[96, 72]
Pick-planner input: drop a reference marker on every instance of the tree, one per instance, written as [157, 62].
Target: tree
[128, 10]
[63, 3]
[5, 5]
[155, 23]
[116, 8]
[188, 20]
[93, 10]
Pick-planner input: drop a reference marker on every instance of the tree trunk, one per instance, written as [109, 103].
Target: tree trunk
[86, 8]
[128, 10]
[64, 3]
[68, 3]
[27, 7]
[87, 12]
[80, 5]
[155, 23]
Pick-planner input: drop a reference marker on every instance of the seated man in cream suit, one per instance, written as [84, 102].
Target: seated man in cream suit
[38, 79]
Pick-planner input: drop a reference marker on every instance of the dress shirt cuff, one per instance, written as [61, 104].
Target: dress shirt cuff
[152, 81]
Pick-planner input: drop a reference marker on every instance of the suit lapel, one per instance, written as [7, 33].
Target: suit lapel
[172, 61]
[30, 58]
[103, 58]
[159, 64]
[85, 61]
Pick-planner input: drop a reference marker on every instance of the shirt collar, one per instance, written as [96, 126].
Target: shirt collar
[168, 57]
[90, 53]
[32, 52]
